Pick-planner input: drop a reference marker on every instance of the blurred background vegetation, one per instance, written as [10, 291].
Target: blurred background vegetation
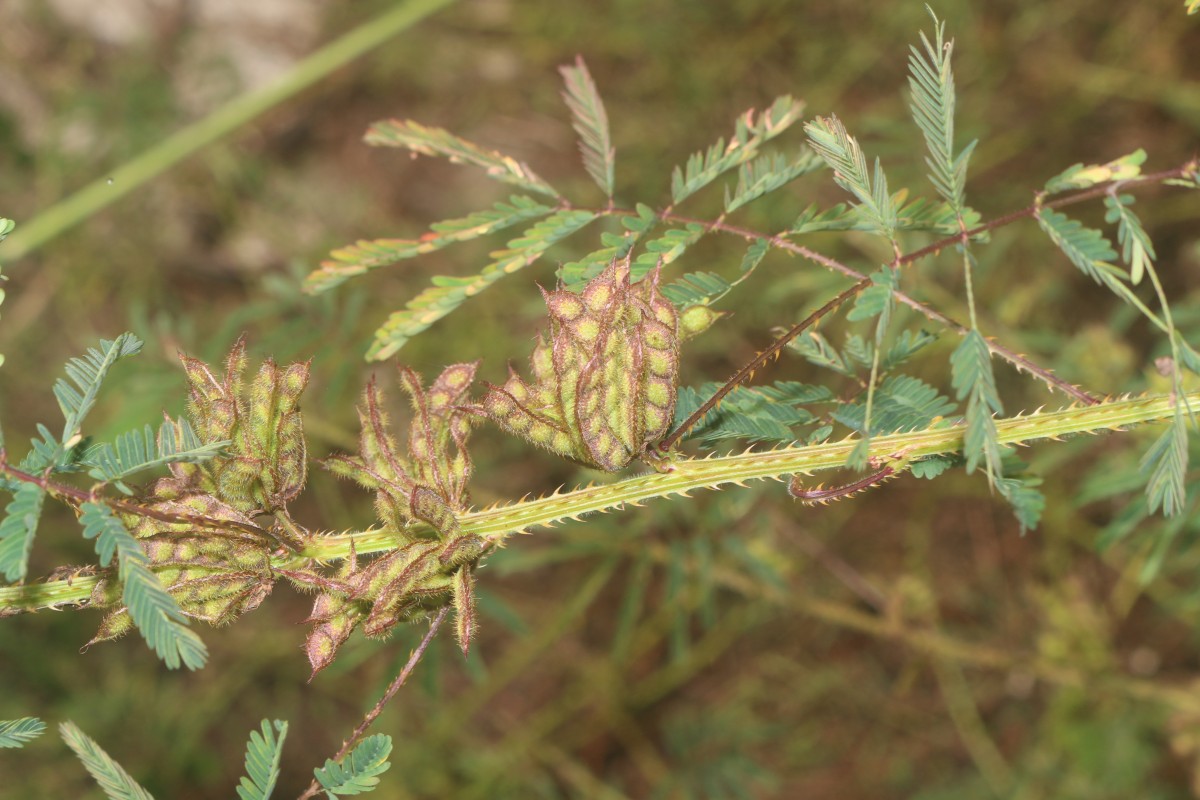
[908, 643]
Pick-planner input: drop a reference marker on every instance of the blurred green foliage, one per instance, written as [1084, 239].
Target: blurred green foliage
[665, 653]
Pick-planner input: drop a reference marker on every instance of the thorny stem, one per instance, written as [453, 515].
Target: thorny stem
[314, 788]
[686, 475]
[780, 241]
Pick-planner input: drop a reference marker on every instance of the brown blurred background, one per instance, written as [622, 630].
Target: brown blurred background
[908, 643]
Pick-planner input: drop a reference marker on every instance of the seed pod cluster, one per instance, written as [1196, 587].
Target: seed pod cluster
[215, 575]
[426, 485]
[266, 465]
[604, 375]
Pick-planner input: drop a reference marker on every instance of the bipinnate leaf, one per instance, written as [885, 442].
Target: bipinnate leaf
[1166, 462]
[875, 299]
[87, 374]
[1087, 248]
[755, 413]
[666, 248]
[19, 732]
[974, 382]
[1082, 176]
[574, 274]
[1027, 501]
[18, 529]
[263, 751]
[358, 772]
[750, 132]
[364, 256]
[437, 142]
[931, 82]
[137, 450]
[841, 151]
[901, 403]
[155, 613]
[767, 173]
[591, 123]
[1136, 248]
[116, 783]
[448, 293]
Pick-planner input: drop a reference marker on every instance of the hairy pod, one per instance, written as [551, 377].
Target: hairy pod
[605, 374]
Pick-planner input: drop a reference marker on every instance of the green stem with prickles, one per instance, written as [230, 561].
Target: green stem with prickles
[686, 475]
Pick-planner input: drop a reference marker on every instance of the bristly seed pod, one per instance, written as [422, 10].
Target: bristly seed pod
[428, 485]
[267, 463]
[605, 377]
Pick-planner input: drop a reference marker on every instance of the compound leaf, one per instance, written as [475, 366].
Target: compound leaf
[364, 256]
[931, 82]
[357, 773]
[591, 123]
[19, 732]
[1087, 248]
[87, 374]
[1136, 248]
[430, 141]
[1026, 499]
[155, 613]
[973, 380]
[841, 151]
[1082, 176]
[767, 173]
[448, 293]
[749, 134]
[116, 783]
[136, 450]
[1166, 462]
[18, 529]
[262, 761]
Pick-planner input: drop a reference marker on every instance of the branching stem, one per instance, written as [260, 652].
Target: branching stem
[314, 788]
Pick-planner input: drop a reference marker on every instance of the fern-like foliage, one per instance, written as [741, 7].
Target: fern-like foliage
[262, 761]
[359, 772]
[902, 403]
[574, 274]
[1166, 463]
[18, 529]
[1136, 248]
[448, 293]
[437, 142]
[751, 131]
[591, 123]
[87, 374]
[19, 732]
[931, 82]
[767, 173]
[1087, 248]
[1084, 176]
[155, 613]
[116, 783]
[137, 450]
[841, 151]
[766, 414]
[365, 256]
[973, 380]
